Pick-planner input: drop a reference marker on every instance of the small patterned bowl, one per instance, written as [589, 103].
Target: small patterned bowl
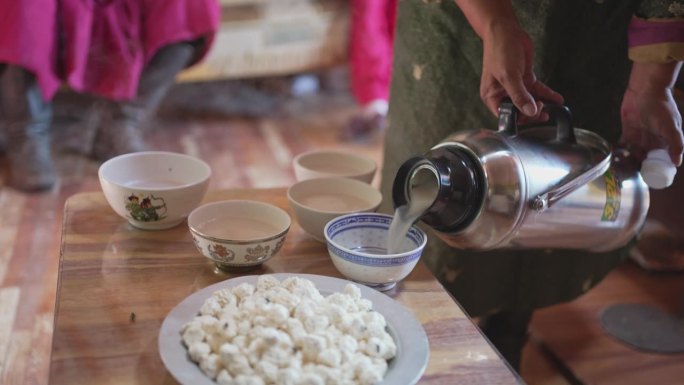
[237, 234]
[358, 244]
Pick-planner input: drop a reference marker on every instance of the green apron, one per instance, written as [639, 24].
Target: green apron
[581, 52]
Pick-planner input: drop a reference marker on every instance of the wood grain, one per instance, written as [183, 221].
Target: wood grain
[110, 270]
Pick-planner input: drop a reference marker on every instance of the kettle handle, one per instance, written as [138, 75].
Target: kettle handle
[565, 132]
[545, 200]
[508, 116]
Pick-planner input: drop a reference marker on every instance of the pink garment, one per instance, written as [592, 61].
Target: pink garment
[645, 32]
[370, 48]
[98, 46]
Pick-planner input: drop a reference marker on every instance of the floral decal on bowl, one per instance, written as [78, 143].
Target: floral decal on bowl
[198, 245]
[220, 252]
[146, 208]
[258, 253]
[277, 246]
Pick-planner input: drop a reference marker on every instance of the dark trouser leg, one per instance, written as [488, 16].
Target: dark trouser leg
[119, 129]
[27, 117]
[508, 333]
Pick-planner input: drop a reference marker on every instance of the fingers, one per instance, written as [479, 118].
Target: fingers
[662, 131]
[523, 100]
[676, 156]
[631, 139]
[675, 144]
[543, 92]
[528, 102]
[491, 95]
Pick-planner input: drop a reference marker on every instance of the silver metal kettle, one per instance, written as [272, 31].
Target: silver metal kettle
[534, 186]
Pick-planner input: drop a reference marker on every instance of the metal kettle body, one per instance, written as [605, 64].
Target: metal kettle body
[526, 187]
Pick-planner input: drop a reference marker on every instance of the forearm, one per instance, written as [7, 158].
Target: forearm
[483, 15]
[647, 77]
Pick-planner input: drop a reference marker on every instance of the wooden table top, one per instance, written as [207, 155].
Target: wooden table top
[110, 271]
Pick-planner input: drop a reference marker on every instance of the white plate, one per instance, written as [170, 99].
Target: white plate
[406, 368]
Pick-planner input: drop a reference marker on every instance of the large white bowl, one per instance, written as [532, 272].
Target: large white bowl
[238, 233]
[331, 163]
[357, 244]
[154, 190]
[317, 201]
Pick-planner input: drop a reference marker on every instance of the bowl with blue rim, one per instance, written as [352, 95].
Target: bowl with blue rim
[358, 245]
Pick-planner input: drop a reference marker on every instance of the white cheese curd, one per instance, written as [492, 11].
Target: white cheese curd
[224, 378]
[288, 333]
[198, 351]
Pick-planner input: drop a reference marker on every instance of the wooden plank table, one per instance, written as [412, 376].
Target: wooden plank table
[110, 271]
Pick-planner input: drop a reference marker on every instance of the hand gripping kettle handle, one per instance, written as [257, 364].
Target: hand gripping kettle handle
[508, 116]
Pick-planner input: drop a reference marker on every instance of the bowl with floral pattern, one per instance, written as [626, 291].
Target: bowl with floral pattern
[154, 190]
[237, 234]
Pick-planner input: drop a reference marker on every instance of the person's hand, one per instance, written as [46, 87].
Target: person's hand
[507, 71]
[650, 117]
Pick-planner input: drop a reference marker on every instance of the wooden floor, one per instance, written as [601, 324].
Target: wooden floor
[252, 145]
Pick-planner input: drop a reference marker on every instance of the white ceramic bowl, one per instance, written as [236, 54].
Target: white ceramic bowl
[357, 244]
[238, 233]
[154, 190]
[330, 163]
[317, 201]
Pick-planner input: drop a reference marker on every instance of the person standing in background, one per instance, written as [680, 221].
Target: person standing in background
[127, 52]
[370, 64]
[456, 60]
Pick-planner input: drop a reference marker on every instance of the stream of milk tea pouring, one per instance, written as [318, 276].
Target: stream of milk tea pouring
[422, 192]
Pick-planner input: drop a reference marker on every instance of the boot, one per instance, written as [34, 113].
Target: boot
[119, 131]
[27, 119]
